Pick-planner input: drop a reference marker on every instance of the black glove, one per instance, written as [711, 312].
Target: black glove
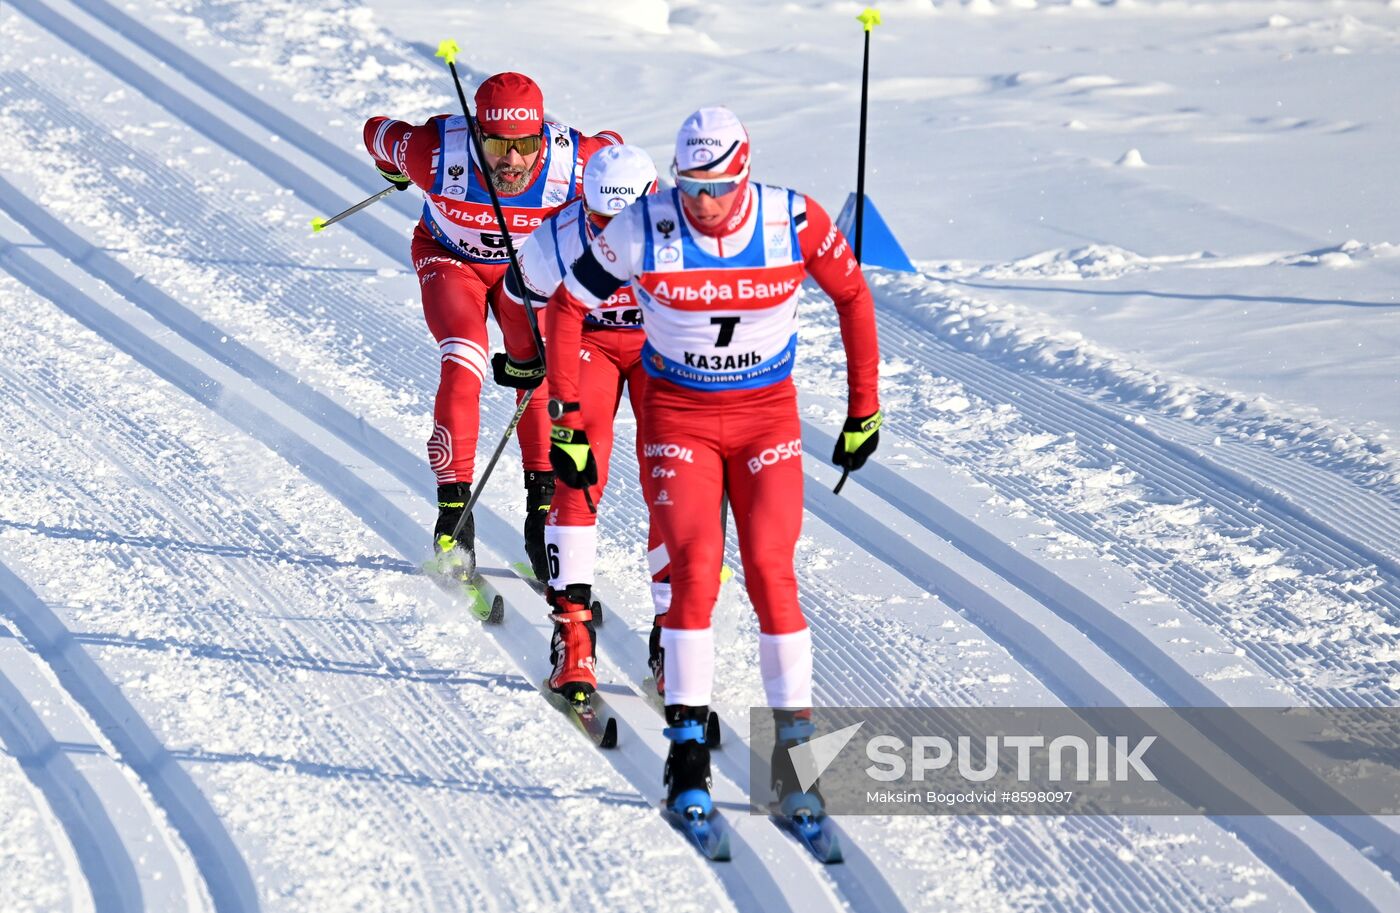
[400, 181]
[858, 440]
[525, 375]
[572, 458]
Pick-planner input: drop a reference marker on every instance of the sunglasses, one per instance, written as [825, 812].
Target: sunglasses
[497, 146]
[715, 187]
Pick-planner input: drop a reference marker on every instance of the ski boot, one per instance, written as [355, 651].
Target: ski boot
[656, 660]
[456, 555]
[539, 490]
[573, 647]
[794, 728]
[656, 656]
[687, 773]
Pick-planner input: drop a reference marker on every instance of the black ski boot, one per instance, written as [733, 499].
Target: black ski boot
[687, 774]
[794, 727]
[656, 659]
[456, 554]
[539, 491]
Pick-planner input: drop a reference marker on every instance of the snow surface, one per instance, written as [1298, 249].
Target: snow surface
[1140, 402]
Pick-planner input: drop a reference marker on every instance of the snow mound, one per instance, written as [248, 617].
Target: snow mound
[1131, 159]
[1093, 261]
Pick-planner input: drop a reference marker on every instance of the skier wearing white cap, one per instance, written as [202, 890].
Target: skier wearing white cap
[458, 250]
[608, 358]
[716, 266]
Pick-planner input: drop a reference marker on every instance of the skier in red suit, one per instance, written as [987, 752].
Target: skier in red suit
[459, 253]
[609, 361]
[716, 266]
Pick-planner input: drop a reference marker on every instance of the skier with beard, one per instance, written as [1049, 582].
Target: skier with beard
[716, 265]
[459, 253]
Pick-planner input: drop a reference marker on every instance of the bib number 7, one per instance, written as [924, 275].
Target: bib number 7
[726, 330]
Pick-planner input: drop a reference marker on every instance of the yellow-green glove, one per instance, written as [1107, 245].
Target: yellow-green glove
[401, 181]
[858, 440]
[572, 457]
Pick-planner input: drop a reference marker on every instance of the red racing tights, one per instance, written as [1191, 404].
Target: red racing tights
[696, 446]
[608, 360]
[455, 295]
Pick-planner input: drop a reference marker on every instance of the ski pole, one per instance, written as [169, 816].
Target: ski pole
[448, 51]
[495, 455]
[869, 18]
[320, 224]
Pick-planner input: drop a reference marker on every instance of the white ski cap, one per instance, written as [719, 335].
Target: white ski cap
[713, 140]
[615, 176]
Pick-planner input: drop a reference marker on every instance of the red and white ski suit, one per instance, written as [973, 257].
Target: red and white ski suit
[608, 358]
[459, 254]
[720, 316]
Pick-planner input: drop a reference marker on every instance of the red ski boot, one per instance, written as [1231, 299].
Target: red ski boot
[572, 649]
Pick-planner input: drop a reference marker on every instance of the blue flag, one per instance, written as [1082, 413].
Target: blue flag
[880, 247]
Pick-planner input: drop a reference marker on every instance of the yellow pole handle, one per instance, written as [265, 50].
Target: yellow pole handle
[448, 49]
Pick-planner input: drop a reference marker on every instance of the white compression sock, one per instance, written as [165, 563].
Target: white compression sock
[572, 549]
[690, 666]
[785, 661]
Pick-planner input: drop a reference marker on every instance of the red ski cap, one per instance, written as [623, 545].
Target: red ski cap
[509, 104]
[713, 140]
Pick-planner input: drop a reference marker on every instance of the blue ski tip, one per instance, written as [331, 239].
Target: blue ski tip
[815, 835]
[693, 799]
[708, 835]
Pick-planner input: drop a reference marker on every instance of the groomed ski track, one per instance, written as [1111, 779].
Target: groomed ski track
[1028, 610]
[207, 338]
[119, 744]
[394, 525]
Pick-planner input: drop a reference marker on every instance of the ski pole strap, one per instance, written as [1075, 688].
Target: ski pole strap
[689, 731]
[796, 731]
[845, 474]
